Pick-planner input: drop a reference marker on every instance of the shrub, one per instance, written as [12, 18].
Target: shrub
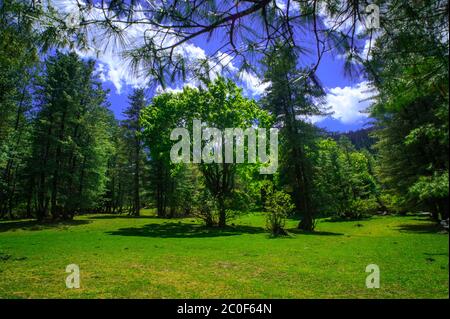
[394, 204]
[205, 207]
[360, 208]
[278, 205]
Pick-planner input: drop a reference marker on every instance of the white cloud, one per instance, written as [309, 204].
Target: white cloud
[315, 119]
[101, 72]
[160, 89]
[343, 23]
[252, 84]
[347, 103]
[294, 7]
[193, 52]
[369, 44]
[281, 4]
[109, 54]
[178, 89]
[339, 22]
[114, 68]
[226, 61]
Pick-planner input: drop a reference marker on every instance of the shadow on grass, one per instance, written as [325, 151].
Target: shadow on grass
[181, 230]
[436, 254]
[313, 233]
[422, 219]
[35, 225]
[343, 219]
[426, 228]
[122, 216]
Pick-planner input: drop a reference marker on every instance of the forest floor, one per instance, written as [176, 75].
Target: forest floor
[148, 257]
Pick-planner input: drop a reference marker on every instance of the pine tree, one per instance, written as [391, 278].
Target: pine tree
[71, 139]
[291, 97]
[409, 69]
[133, 133]
[18, 64]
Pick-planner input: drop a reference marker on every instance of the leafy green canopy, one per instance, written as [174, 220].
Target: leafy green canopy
[218, 104]
[71, 138]
[409, 69]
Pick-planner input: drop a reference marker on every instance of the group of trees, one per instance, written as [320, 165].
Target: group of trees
[409, 69]
[321, 175]
[220, 104]
[291, 98]
[62, 152]
[345, 181]
[70, 139]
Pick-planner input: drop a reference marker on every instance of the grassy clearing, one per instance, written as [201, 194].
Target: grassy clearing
[147, 257]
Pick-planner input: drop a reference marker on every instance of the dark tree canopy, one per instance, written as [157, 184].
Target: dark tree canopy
[243, 30]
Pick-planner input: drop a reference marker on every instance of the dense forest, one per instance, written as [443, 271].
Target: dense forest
[361, 139]
[63, 153]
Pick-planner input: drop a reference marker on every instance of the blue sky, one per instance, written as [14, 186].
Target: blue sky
[344, 95]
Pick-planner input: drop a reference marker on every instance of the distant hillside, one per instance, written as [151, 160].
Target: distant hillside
[360, 138]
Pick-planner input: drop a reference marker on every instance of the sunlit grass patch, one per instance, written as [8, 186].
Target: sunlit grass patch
[148, 257]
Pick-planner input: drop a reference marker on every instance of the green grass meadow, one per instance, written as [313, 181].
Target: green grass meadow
[147, 257]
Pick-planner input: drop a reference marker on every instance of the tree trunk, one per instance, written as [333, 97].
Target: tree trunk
[137, 202]
[302, 198]
[54, 193]
[222, 211]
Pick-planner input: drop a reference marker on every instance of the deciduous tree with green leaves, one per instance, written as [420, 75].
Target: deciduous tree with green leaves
[219, 104]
